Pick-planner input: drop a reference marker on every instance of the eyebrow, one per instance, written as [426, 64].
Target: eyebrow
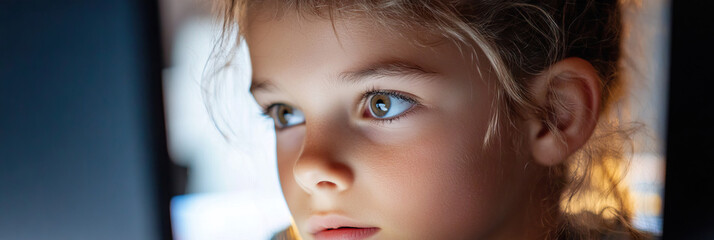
[376, 70]
[386, 69]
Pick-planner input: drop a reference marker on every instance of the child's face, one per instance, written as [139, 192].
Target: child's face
[392, 133]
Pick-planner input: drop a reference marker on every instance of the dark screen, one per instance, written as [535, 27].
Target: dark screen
[81, 121]
[689, 194]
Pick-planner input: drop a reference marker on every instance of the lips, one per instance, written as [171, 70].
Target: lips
[333, 227]
[345, 233]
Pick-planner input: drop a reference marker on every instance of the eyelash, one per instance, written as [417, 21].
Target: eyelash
[372, 91]
[265, 111]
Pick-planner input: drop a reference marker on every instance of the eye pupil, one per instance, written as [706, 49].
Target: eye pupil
[380, 105]
[284, 114]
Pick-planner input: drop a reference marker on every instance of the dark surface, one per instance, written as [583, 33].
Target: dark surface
[689, 184]
[82, 142]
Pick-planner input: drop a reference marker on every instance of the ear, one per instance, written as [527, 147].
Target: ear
[568, 94]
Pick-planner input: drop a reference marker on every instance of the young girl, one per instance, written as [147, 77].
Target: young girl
[442, 119]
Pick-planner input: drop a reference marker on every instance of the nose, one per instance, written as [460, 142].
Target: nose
[318, 168]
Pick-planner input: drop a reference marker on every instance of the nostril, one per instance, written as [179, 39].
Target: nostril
[321, 174]
[326, 184]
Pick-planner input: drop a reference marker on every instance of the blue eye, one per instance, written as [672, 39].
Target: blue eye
[285, 116]
[385, 105]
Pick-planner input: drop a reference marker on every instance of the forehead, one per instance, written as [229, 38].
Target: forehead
[294, 45]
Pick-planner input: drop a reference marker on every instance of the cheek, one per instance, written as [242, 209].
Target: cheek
[289, 143]
[436, 182]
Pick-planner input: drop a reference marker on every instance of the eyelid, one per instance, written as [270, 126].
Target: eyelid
[392, 93]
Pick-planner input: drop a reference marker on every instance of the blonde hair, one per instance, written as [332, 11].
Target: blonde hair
[519, 39]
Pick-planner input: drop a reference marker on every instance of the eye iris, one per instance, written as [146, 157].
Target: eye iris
[380, 105]
[284, 114]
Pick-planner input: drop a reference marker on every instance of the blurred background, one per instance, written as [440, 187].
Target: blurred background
[230, 183]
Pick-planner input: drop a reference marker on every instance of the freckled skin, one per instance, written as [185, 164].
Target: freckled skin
[422, 176]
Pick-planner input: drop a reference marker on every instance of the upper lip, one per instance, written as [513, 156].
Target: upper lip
[317, 223]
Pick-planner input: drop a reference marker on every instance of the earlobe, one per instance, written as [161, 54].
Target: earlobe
[568, 96]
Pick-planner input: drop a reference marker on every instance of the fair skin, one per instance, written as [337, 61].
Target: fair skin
[420, 173]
